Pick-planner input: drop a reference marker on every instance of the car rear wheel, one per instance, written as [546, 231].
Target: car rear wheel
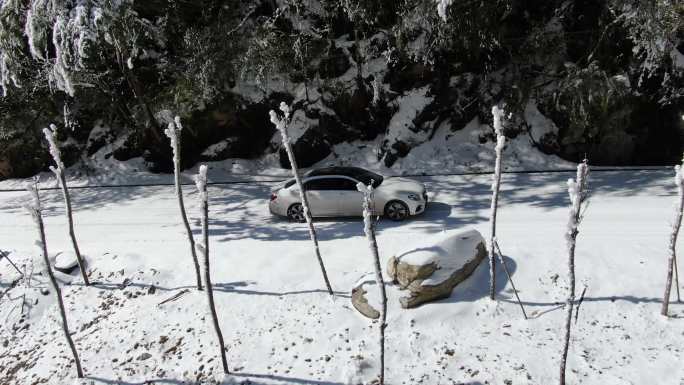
[396, 210]
[296, 212]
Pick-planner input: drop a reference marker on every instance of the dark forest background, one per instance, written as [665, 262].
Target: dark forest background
[608, 73]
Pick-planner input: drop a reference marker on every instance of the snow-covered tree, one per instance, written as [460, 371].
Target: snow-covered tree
[442, 8]
[577, 189]
[174, 134]
[676, 225]
[498, 114]
[67, 46]
[369, 229]
[59, 171]
[35, 209]
[281, 125]
[203, 247]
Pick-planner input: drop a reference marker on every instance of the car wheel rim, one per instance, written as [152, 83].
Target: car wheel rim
[297, 213]
[396, 211]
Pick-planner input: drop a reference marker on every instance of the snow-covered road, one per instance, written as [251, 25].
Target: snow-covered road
[280, 325]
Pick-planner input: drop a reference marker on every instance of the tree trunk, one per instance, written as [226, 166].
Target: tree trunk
[492, 240]
[70, 219]
[500, 141]
[568, 316]
[673, 241]
[577, 192]
[207, 279]
[282, 127]
[181, 204]
[369, 228]
[307, 215]
[65, 326]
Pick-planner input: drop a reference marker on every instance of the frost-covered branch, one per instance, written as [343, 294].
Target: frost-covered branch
[442, 8]
[173, 132]
[203, 247]
[498, 114]
[369, 229]
[577, 190]
[672, 249]
[281, 125]
[35, 209]
[59, 172]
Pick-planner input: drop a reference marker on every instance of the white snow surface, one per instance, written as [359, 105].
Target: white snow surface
[279, 323]
[539, 124]
[408, 108]
[449, 251]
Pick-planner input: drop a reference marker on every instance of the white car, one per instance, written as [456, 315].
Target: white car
[332, 192]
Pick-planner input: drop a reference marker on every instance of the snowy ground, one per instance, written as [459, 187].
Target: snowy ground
[280, 325]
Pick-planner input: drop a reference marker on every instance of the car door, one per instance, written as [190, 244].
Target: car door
[350, 200]
[322, 197]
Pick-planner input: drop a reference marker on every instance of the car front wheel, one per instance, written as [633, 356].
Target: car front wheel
[296, 212]
[396, 210]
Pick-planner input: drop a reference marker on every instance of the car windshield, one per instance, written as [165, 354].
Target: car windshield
[366, 177]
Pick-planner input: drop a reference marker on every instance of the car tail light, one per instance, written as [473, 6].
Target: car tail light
[273, 197]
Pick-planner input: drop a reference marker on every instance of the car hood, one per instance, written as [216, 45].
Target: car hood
[398, 184]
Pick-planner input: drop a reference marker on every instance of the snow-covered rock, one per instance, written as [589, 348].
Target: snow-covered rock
[365, 296]
[65, 261]
[431, 271]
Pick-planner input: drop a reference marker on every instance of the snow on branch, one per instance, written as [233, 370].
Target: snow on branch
[173, 133]
[201, 183]
[281, 123]
[367, 192]
[50, 134]
[498, 114]
[577, 193]
[442, 8]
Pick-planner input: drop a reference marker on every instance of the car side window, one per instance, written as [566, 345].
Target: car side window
[313, 185]
[347, 185]
[330, 184]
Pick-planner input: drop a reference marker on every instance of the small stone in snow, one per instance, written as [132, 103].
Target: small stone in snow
[44, 291]
[144, 356]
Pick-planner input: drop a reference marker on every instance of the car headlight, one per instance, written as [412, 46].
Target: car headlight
[414, 197]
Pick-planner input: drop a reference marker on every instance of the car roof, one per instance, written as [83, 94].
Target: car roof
[335, 170]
